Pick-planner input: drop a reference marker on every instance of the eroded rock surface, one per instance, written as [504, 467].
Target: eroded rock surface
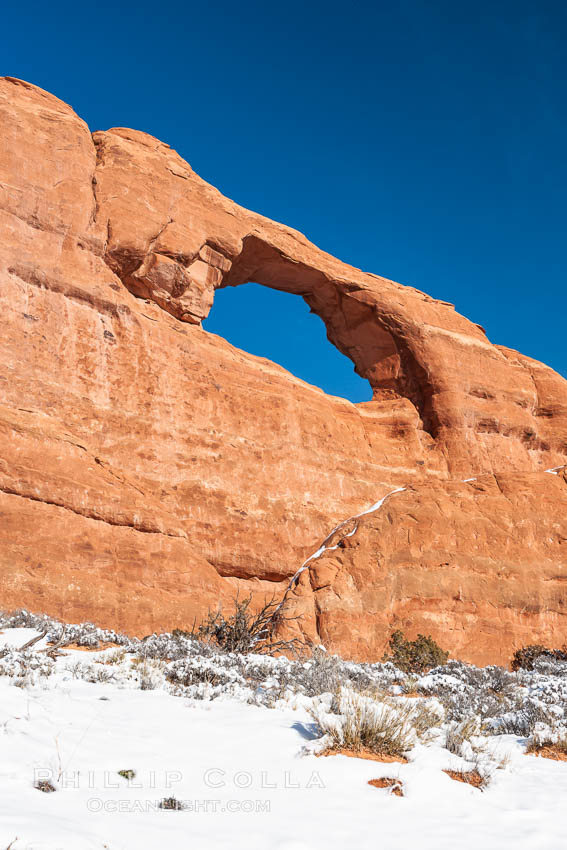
[479, 564]
[149, 469]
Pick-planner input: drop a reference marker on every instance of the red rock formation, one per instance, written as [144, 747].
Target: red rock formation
[148, 469]
[480, 565]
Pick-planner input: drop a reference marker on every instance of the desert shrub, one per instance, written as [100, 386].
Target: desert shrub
[83, 634]
[115, 657]
[526, 657]
[243, 631]
[358, 722]
[524, 719]
[550, 666]
[483, 704]
[379, 675]
[548, 690]
[89, 635]
[490, 679]
[415, 656]
[318, 674]
[467, 690]
[425, 716]
[171, 647]
[75, 669]
[93, 673]
[204, 668]
[523, 659]
[196, 671]
[151, 673]
[102, 675]
[501, 681]
[548, 736]
[22, 619]
[322, 673]
[147, 682]
[459, 734]
[25, 668]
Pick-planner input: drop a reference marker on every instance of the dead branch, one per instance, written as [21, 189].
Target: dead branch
[33, 641]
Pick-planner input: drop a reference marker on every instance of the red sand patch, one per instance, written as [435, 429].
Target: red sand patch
[363, 753]
[394, 785]
[469, 777]
[549, 751]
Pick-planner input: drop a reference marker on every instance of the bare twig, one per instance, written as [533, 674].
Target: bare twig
[245, 632]
[60, 773]
[62, 641]
[31, 643]
[51, 651]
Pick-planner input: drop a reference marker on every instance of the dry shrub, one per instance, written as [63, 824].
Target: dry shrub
[548, 741]
[243, 631]
[550, 751]
[151, 674]
[357, 722]
[425, 717]
[458, 733]
[196, 671]
[115, 657]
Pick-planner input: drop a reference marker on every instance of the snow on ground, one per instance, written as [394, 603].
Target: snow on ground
[245, 763]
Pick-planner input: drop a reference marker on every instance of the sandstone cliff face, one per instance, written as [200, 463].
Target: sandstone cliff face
[480, 564]
[149, 470]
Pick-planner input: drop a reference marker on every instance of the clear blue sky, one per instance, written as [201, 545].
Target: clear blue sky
[423, 140]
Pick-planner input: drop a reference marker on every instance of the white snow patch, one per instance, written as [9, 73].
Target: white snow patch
[248, 774]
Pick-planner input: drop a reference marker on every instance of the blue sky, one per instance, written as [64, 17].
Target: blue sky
[424, 141]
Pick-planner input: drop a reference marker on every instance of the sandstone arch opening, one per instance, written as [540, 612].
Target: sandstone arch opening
[375, 337]
[281, 327]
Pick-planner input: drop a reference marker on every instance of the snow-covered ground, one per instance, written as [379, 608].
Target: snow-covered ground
[234, 739]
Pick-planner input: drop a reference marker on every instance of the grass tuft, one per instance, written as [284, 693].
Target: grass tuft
[359, 723]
